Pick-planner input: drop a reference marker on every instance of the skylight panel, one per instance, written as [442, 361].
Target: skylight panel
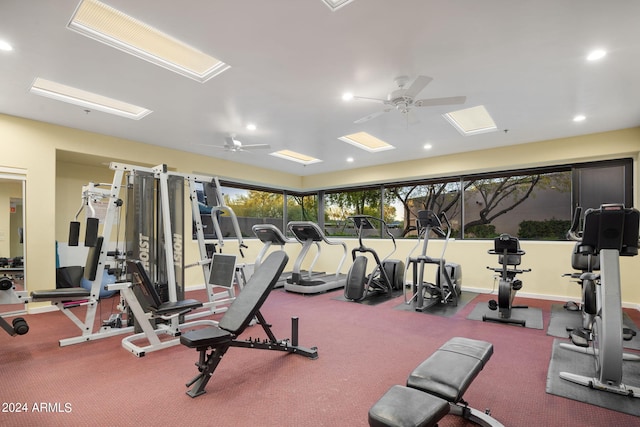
[336, 4]
[367, 142]
[295, 157]
[471, 121]
[112, 27]
[86, 99]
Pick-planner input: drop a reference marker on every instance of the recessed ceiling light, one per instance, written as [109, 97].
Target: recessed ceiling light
[5, 46]
[251, 126]
[596, 54]
[86, 99]
[112, 27]
[471, 121]
[295, 157]
[427, 146]
[366, 142]
[350, 159]
[348, 96]
[336, 4]
[579, 118]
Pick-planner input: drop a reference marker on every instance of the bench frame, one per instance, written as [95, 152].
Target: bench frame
[212, 343]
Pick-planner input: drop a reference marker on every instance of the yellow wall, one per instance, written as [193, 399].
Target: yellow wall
[54, 188]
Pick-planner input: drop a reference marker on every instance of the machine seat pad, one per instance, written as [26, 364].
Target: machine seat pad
[61, 293]
[449, 371]
[407, 407]
[174, 307]
[205, 338]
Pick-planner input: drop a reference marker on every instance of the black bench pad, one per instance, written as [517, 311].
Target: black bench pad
[205, 338]
[449, 371]
[61, 293]
[407, 407]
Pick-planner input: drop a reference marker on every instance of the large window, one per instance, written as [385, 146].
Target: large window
[530, 204]
[439, 197]
[340, 205]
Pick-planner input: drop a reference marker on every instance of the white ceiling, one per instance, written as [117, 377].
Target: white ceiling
[291, 60]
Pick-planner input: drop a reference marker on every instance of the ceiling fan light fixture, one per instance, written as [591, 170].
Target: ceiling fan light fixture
[471, 121]
[114, 28]
[86, 99]
[295, 157]
[366, 142]
[336, 4]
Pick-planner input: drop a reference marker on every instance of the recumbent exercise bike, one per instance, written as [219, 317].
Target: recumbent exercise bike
[509, 256]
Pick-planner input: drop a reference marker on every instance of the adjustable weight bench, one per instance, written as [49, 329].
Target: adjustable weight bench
[435, 388]
[213, 342]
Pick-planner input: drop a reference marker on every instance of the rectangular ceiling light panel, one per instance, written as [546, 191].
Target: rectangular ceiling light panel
[295, 157]
[116, 29]
[86, 99]
[336, 4]
[366, 142]
[471, 121]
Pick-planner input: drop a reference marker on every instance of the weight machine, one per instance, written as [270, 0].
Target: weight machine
[155, 228]
[609, 233]
[9, 295]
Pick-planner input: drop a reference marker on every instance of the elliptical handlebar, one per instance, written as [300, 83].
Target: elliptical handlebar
[364, 221]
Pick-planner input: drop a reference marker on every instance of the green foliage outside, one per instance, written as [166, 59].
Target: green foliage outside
[481, 231]
[550, 229]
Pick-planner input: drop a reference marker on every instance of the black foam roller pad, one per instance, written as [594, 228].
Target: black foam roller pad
[91, 233]
[74, 233]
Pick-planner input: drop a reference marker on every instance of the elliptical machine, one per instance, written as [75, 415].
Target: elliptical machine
[509, 255]
[609, 233]
[386, 276]
[447, 286]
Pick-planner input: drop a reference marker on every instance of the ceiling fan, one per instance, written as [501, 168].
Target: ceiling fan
[233, 145]
[404, 100]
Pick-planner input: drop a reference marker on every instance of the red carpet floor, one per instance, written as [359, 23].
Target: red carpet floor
[363, 350]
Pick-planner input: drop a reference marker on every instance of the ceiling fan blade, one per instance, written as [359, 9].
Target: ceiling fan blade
[252, 146]
[364, 98]
[221, 147]
[370, 116]
[451, 100]
[416, 87]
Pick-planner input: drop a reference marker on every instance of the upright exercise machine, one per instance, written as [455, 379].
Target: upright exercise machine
[585, 264]
[309, 234]
[387, 274]
[509, 256]
[609, 233]
[448, 281]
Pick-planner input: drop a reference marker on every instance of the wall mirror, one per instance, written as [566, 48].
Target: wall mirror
[12, 235]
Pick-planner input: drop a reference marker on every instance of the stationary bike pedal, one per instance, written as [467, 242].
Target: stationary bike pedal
[579, 338]
[493, 305]
[517, 285]
[628, 334]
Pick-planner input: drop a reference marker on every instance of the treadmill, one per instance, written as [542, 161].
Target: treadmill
[308, 234]
[271, 235]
